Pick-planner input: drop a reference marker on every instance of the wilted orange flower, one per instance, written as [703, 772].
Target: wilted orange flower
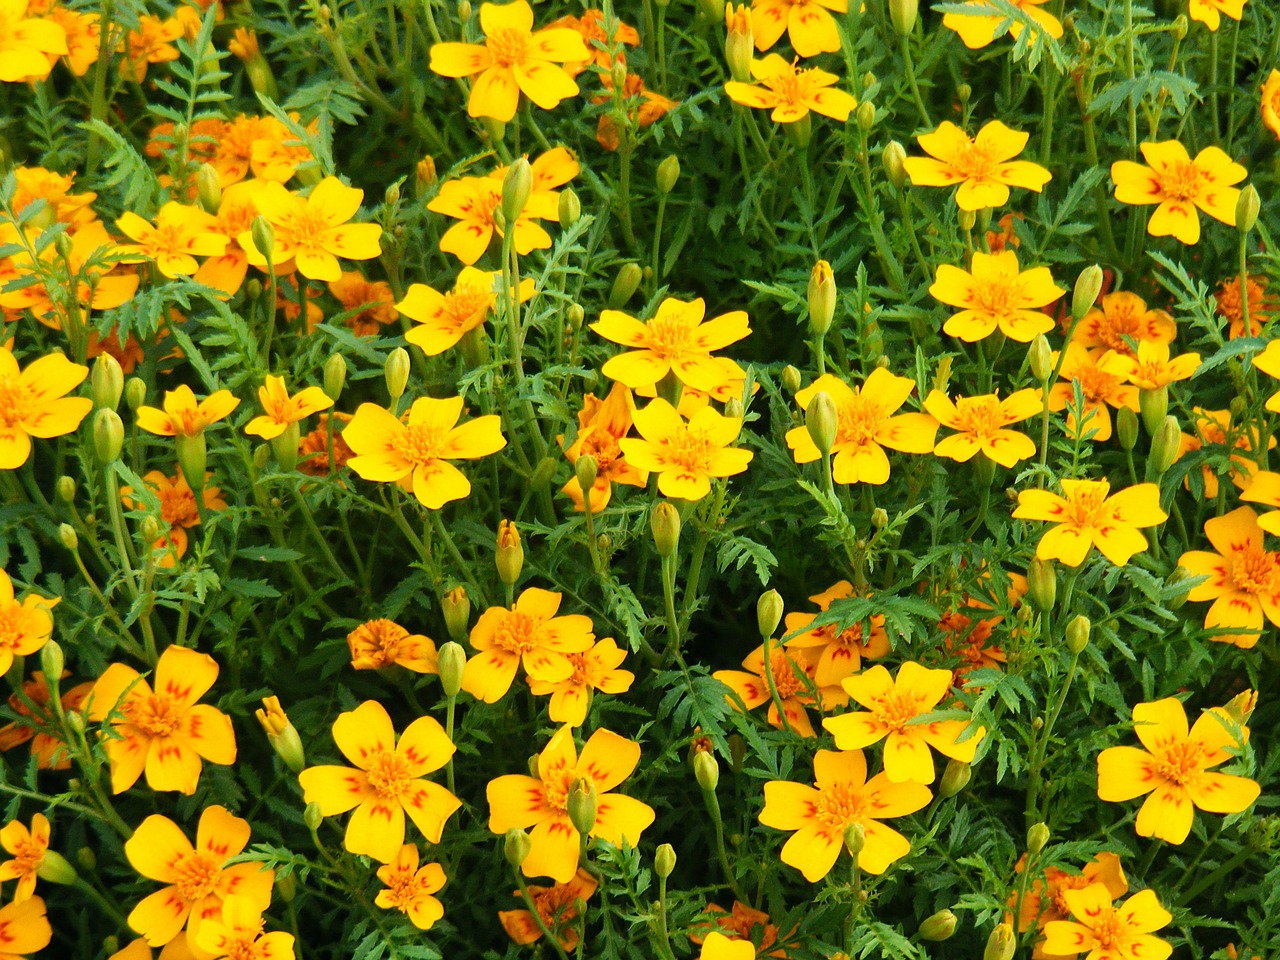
[1088, 515]
[641, 105]
[27, 848]
[555, 905]
[839, 653]
[25, 625]
[983, 166]
[443, 319]
[1209, 12]
[177, 509]
[1102, 375]
[1006, 238]
[34, 403]
[1244, 577]
[996, 295]
[29, 47]
[370, 303]
[601, 425]
[182, 415]
[42, 728]
[409, 889]
[313, 448]
[791, 93]
[1122, 322]
[594, 669]
[741, 925]
[1229, 305]
[380, 643]
[128, 355]
[793, 678]
[1180, 185]
[808, 24]
[978, 29]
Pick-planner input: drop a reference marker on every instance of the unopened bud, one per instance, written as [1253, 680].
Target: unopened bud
[149, 529]
[263, 235]
[55, 868]
[955, 777]
[424, 176]
[1040, 357]
[1164, 447]
[456, 607]
[391, 196]
[1001, 943]
[396, 372]
[281, 734]
[585, 469]
[903, 13]
[822, 298]
[1037, 838]
[892, 159]
[1127, 428]
[208, 190]
[574, 314]
[67, 536]
[866, 115]
[822, 421]
[582, 805]
[668, 174]
[963, 93]
[335, 376]
[287, 887]
[516, 187]
[62, 244]
[1078, 634]
[1085, 294]
[855, 838]
[108, 435]
[664, 860]
[1154, 405]
[768, 613]
[733, 408]
[1177, 576]
[1239, 708]
[261, 454]
[87, 858]
[966, 219]
[664, 524]
[516, 846]
[509, 555]
[1247, 207]
[1178, 29]
[1042, 584]
[193, 456]
[543, 473]
[464, 11]
[940, 926]
[65, 488]
[879, 518]
[312, 816]
[570, 208]
[106, 382]
[791, 379]
[738, 42]
[451, 660]
[625, 284]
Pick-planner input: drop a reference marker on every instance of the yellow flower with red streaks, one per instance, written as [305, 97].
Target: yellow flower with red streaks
[1102, 375]
[996, 294]
[840, 797]
[979, 29]
[473, 202]
[1264, 488]
[983, 166]
[416, 454]
[594, 669]
[236, 932]
[34, 403]
[528, 633]
[84, 36]
[893, 708]
[1174, 769]
[1244, 577]
[867, 424]
[1268, 361]
[387, 781]
[685, 455]
[808, 24]
[1122, 322]
[793, 678]
[24, 926]
[1102, 931]
[1155, 369]
[183, 416]
[1180, 185]
[29, 46]
[790, 92]
[409, 888]
[236, 212]
[151, 43]
[1044, 899]
[591, 26]
[601, 425]
[281, 411]
[165, 732]
[29, 849]
[180, 234]
[741, 932]
[178, 510]
[1214, 427]
[839, 652]
[40, 726]
[549, 170]
[542, 802]
[380, 643]
[555, 906]
[514, 59]
[675, 341]
[1270, 107]
[97, 285]
[25, 625]
[1209, 12]
[982, 425]
[1088, 515]
[314, 232]
[443, 319]
[198, 877]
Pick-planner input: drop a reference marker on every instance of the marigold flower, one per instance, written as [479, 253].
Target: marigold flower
[840, 797]
[443, 319]
[38, 183]
[1264, 488]
[198, 876]
[1268, 361]
[1102, 375]
[1086, 517]
[417, 454]
[182, 415]
[641, 106]
[977, 30]
[42, 728]
[24, 927]
[313, 448]
[1122, 322]
[1174, 769]
[387, 783]
[866, 426]
[1154, 369]
[555, 905]
[25, 625]
[369, 304]
[233, 150]
[34, 403]
[1229, 305]
[27, 848]
[236, 932]
[280, 411]
[808, 24]
[737, 929]
[541, 802]
[591, 26]
[513, 59]
[793, 678]
[29, 47]
[839, 653]
[1108, 932]
[96, 285]
[791, 93]
[594, 669]
[1179, 185]
[685, 455]
[474, 201]
[996, 295]
[1270, 108]
[1208, 11]
[151, 43]
[983, 165]
[180, 234]
[982, 422]
[177, 509]
[892, 708]
[380, 643]
[277, 153]
[1044, 900]
[164, 732]
[314, 232]
[601, 425]
[410, 889]
[1244, 577]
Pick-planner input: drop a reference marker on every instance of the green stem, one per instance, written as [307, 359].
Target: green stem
[527, 897]
[712, 803]
[915, 87]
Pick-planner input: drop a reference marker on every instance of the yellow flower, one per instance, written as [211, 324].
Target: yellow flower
[24, 927]
[235, 932]
[164, 732]
[29, 46]
[1043, 900]
[314, 232]
[983, 165]
[25, 625]
[794, 679]
[867, 425]
[982, 422]
[808, 25]
[1123, 322]
[182, 416]
[150, 43]
[28, 849]
[1154, 369]
[409, 889]
[177, 510]
[474, 202]
[840, 797]
[1270, 108]
[977, 30]
[601, 425]
[542, 801]
[996, 295]
[513, 59]
[417, 454]
[1244, 577]
[594, 669]
[33, 403]
[1087, 517]
[791, 93]
[387, 783]
[1207, 11]
[179, 235]
[198, 878]
[1179, 185]
[1174, 769]
[1105, 932]
[1102, 375]
[443, 319]
[840, 653]
[893, 706]
[685, 455]
[1215, 427]
[281, 410]
[380, 643]
[675, 340]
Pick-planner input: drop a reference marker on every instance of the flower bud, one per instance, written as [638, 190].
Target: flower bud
[855, 838]
[768, 613]
[62, 244]
[1247, 207]
[281, 734]
[738, 42]
[1042, 584]
[892, 159]
[509, 555]
[516, 187]
[664, 524]
[1078, 634]
[624, 285]
[706, 770]
[1085, 294]
[1001, 943]
[668, 174]
[192, 458]
[75, 720]
[1037, 837]
[52, 661]
[1177, 576]
[791, 379]
[87, 858]
[287, 887]
[822, 421]
[664, 860]
[570, 208]
[67, 536]
[106, 382]
[940, 926]
[582, 805]
[966, 219]
[543, 472]
[1127, 428]
[261, 454]
[285, 447]
[396, 372]
[574, 314]
[963, 93]
[451, 660]
[496, 131]
[1178, 29]
[1154, 405]
[208, 190]
[391, 196]
[902, 14]
[1040, 357]
[65, 488]
[866, 115]
[955, 777]
[822, 298]
[1239, 708]
[55, 868]
[335, 376]
[108, 435]
[263, 235]
[586, 469]
[312, 816]
[516, 846]
[424, 176]
[1164, 447]
[135, 393]
[456, 607]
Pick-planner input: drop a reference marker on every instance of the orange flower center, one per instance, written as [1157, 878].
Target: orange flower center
[998, 296]
[1110, 930]
[305, 227]
[178, 506]
[669, 333]
[156, 715]
[860, 421]
[419, 444]
[15, 625]
[604, 447]
[378, 640]
[466, 304]
[840, 805]
[15, 402]
[1084, 506]
[792, 87]
[241, 945]
[406, 887]
[692, 450]
[1096, 385]
[195, 874]
[974, 161]
[1182, 180]
[508, 47]
[28, 854]
[1180, 761]
[555, 904]
[167, 237]
[785, 676]
[898, 708]
[1255, 570]
[979, 416]
[518, 632]
[1120, 322]
[555, 789]
[388, 775]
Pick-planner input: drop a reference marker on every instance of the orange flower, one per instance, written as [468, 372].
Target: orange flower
[380, 643]
[839, 652]
[180, 234]
[978, 30]
[24, 927]
[594, 669]
[982, 424]
[555, 905]
[42, 728]
[808, 24]
[996, 294]
[151, 43]
[591, 25]
[313, 448]
[29, 47]
[443, 319]
[177, 509]
[1230, 306]
[281, 411]
[1214, 427]
[741, 925]
[1208, 11]
[409, 889]
[1045, 899]
[369, 304]
[1244, 577]
[793, 678]
[601, 425]
[1271, 103]
[641, 105]
[1108, 932]
[1122, 323]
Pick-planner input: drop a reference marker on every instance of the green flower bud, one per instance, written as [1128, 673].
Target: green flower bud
[1078, 634]
[263, 235]
[1154, 405]
[940, 926]
[664, 524]
[955, 777]
[866, 115]
[464, 11]
[451, 660]
[106, 382]
[574, 314]
[312, 816]
[55, 868]
[570, 208]
[902, 14]
[208, 190]
[822, 298]
[396, 372]
[516, 846]
[1001, 943]
[65, 488]
[733, 408]
[67, 536]
[582, 805]
[285, 447]
[1038, 835]
[335, 376]
[1164, 447]
[668, 174]
[586, 469]
[966, 219]
[624, 285]
[456, 607]
[287, 887]
[516, 187]
[892, 159]
[768, 612]
[963, 93]
[822, 421]
[108, 435]
[62, 243]
[1247, 207]
[739, 42]
[544, 472]
[509, 555]
[1178, 29]
[261, 454]
[855, 838]
[706, 770]
[1040, 357]
[1178, 575]
[192, 459]
[1042, 584]
[87, 858]
[1127, 428]
[1085, 294]
[791, 379]
[664, 860]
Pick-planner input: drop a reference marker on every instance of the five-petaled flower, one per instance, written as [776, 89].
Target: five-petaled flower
[982, 425]
[793, 680]
[34, 403]
[443, 319]
[995, 293]
[1102, 931]
[25, 625]
[1209, 12]
[685, 455]
[281, 411]
[180, 234]
[982, 165]
[28, 849]
[1102, 375]
[236, 934]
[1179, 185]
[839, 652]
[594, 669]
[409, 888]
[979, 29]
[1244, 577]
[313, 233]
[182, 416]
[555, 906]
[1122, 322]
[791, 93]
[1085, 516]
[808, 24]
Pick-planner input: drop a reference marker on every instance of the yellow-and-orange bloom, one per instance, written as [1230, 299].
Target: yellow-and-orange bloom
[1102, 931]
[443, 319]
[387, 782]
[1268, 361]
[1270, 106]
[1244, 577]
[1102, 375]
[236, 932]
[34, 403]
[528, 633]
[416, 455]
[1043, 900]
[40, 726]
[25, 625]
[685, 455]
[1088, 515]
[1154, 368]
[601, 424]
[514, 59]
[24, 926]
[96, 285]
[314, 233]
[591, 26]
[982, 425]
[1174, 769]
[281, 411]
[1242, 439]
[996, 294]
[867, 424]
[793, 679]
[594, 669]
[983, 166]
[1122, 322]
[1180, 185]
[555, 906]
[29, 46]
[978, 29]
[742, 932]
[542, 802]
[151, 43]
[409, 888]
[893, 705]
[177, 509]
[808, 24]
[840, 797]
[791, 93]
[1209, 12]
[28, 849]
[380, 643]
[839, 653]
[183, 416]
[1231, 305]
[180, 234]
[198, 877]
[369, 304]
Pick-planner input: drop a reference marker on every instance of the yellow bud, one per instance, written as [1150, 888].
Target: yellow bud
[822, 421]
[575, 315]
[963, 93]
[1239, 708]
[1078, 634]
[570, 208]
[966, 219]
[208, 190]
[940, 926]
[1040, 356]
[108, 435]
[738, 42]
[855, 838]
[733, 408]
[892, 160]
[509, 555]
[903, 13]
[52, 661]
[281, 734]
[516, 846]
[664, 524]
[1178, 29]
[67, 536]
[664, 860]
[791, 379]
[1042, 584]
[1247, 207]
[822, 298]
[954, 778]
[396, 372]
[1037, 838]
[106, 382]
[582, 805]
[464, 11]
[668, 174]
[1001, 943]
[424, 176]
[516, 187]
[879, 518]
[706, 771]
[624, 285]
[1085, 294]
